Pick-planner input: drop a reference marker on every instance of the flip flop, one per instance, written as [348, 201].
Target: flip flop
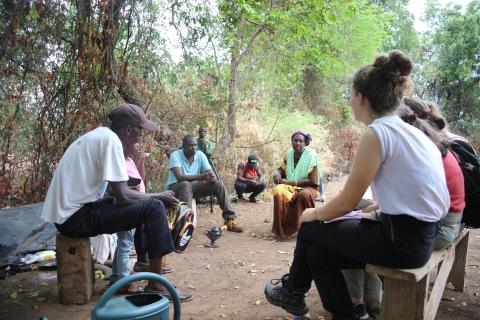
[183, 295]
[145, 267]
[131, 288]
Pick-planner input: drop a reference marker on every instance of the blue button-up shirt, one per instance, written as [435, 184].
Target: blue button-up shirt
[178, 160]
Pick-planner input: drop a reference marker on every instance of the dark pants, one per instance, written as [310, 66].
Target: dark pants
[99, 217]
[185, 191]
[324, 249]
[247, 187]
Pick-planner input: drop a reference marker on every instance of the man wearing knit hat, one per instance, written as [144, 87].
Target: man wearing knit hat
[75, 203]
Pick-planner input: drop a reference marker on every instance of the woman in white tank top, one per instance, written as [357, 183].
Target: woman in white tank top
[404, 169]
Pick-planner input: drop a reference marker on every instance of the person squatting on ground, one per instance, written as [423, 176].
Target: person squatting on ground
[297, 185]
[74, 199]
[249, 178]
[404, 169]
[191, 176]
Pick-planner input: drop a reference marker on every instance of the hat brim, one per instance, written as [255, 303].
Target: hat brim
[148, 125]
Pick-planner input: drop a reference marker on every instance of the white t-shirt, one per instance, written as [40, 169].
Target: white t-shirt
[411, 178]
[83, 173]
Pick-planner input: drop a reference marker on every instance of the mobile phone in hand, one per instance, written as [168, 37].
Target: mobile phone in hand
[133, 182]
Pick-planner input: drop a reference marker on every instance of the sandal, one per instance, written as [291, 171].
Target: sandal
[183, 295]
[145, 267]
[131, 288]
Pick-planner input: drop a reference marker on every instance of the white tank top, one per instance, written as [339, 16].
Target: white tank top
[411, 178]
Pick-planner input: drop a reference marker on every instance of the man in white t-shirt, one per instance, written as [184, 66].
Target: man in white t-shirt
[75, 203]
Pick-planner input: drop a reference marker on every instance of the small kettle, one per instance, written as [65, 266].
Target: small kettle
[213, 234]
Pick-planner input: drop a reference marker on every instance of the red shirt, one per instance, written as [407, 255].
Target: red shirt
[248, 170]
[455, 184]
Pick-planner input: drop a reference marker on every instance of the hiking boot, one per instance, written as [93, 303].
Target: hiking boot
[360, 311]
[232, 226]
[277, 294]
[252, 199]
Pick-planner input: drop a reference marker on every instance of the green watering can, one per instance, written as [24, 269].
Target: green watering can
[145, 306]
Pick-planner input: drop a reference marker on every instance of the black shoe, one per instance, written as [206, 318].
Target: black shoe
[240, 197]
[360, 311]
[252, 199]
[276, 293]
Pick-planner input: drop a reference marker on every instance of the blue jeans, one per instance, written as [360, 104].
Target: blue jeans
[120, 263]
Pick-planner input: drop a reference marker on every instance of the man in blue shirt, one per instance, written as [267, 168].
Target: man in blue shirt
[190, 175]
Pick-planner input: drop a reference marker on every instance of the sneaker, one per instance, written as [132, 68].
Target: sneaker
[360, 311]
[252, 199]
[233, 226]
[276, 293]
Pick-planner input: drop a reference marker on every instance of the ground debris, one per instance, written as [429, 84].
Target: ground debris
[33, 294]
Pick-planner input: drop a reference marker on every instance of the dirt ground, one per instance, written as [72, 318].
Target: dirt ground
[228, 281]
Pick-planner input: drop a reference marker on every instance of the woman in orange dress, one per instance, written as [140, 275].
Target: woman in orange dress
[297, 182]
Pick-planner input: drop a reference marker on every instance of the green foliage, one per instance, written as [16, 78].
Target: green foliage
[65, 64]
[453, 63]
[402, 34]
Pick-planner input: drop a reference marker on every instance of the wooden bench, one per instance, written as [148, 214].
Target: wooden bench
[407, 294]
[75, 272]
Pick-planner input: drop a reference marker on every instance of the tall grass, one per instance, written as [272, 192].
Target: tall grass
[267, 133]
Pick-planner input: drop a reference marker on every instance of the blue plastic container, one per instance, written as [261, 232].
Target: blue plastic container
[145, 306]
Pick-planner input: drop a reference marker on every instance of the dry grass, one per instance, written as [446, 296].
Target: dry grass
[334, 144]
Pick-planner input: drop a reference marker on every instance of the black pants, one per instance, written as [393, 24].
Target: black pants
[247, 187]
[324, 249]
[99, 218]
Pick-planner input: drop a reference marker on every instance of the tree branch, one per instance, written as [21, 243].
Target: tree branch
[251, 42]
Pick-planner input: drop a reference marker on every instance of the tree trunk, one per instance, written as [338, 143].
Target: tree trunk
[231, 121]
[311, 88]
[237, 55]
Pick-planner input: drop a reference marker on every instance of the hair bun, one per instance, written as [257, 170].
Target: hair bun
[396, 66]
[439, 121]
